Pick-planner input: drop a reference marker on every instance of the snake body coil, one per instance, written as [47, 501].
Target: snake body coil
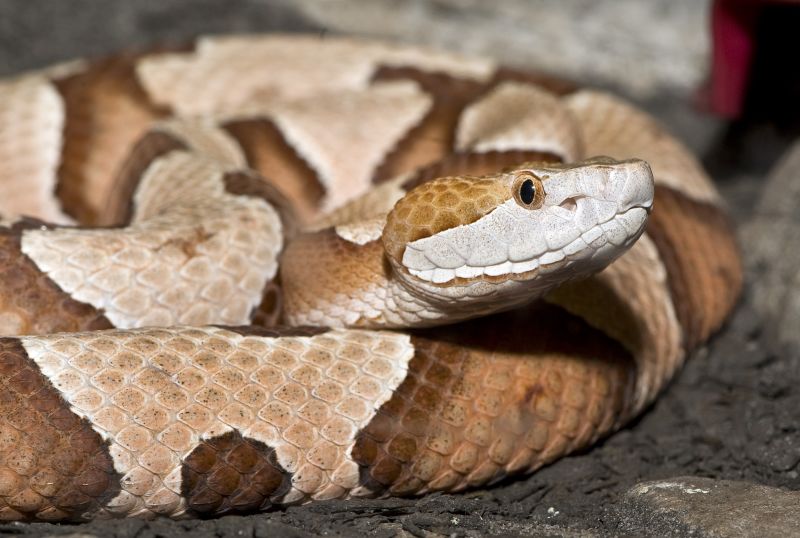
[363, 197]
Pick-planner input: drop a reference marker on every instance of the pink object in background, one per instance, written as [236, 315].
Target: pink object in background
[734, 24]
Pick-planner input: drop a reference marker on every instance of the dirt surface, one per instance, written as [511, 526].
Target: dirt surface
[728, 415]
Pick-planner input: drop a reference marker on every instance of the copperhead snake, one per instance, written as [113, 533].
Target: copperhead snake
[231, 274]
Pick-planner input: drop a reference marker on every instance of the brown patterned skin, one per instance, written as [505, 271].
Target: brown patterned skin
[326, 246]
[30, 302]
[477, 164]
[492, 398]
[388, 413]
[251, 184]
[699, 250]
[107, 111]
[54, 466]
[255, 330]
[269, 311]
[679, 231]
[119, 209]
[268, 152]
[437, 205]
[434, 136]
[630, 302]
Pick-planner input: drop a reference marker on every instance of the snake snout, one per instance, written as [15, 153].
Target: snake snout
[627, 183]
[632, 185]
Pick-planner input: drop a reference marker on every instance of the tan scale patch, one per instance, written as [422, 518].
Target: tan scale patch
[363, 231]
[204, 137]
[517, 116]
[233, 70]
[157, 394]
[611, 127]
[348, 285]
[31, 130]
[375, 203]
[345, 135]
[194, 254]
[352, 285]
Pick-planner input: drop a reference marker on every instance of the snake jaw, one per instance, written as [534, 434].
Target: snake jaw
[592, 213]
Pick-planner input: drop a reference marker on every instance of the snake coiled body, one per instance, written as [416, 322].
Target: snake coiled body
[240, 267]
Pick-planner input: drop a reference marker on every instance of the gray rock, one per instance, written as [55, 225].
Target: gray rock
[772, 245]
[705, 507]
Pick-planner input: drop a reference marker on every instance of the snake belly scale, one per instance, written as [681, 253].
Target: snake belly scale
[265, 270]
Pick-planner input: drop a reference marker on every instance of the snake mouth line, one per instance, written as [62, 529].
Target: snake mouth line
[615, 234]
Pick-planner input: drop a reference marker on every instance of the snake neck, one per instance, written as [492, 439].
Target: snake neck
[335, 279]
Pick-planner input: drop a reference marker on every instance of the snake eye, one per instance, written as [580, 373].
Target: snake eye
[528, 191]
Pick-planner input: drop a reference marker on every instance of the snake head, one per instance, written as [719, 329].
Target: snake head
[532, 227]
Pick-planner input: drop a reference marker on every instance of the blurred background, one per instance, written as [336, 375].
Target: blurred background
[690, 62]
[615, 43]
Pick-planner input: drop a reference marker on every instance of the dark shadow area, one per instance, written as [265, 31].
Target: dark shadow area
[770, 119]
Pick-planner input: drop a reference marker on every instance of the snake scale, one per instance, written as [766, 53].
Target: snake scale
[263, 270]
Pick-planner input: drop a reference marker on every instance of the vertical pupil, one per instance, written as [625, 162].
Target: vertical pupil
[527, 191]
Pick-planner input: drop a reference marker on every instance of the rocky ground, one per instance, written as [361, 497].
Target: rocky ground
[707, 458]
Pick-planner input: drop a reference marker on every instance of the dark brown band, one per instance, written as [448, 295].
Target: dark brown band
[698, 248]
[231, 473]
[500, 395]
[268, 152]
[53, 465]
[30, 302]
